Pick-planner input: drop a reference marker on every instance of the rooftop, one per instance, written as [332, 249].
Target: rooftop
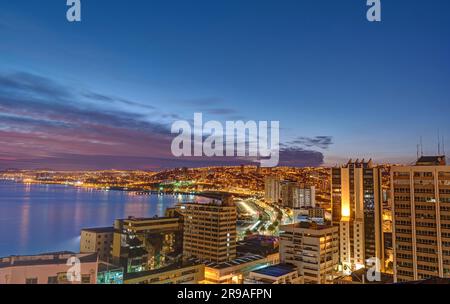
[172, 267]
[99, 229]
[359, 164]
[440, 281]
[53, 258]
[431, 161]
[232, 263]
[360, 277]
[276, 270]
[258, 245]
[307, 225]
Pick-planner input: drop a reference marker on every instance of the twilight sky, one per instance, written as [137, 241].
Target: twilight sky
[103, 93]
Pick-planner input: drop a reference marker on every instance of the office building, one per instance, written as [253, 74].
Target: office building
[313, 249]
[97, 240]
[210, 231]
[356, 193]
[421, 220]
[142, 244]
[272, 188]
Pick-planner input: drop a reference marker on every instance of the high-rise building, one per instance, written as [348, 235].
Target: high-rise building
[313, 249]
[97, 240]
[304, 197]
[288, 191]
[210, 231]
[142, 244]
[421, 219]
[272, 189]
[356, 195]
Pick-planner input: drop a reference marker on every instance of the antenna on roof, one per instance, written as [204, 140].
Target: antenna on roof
[443, 145]
[421, 146]
[418, 146]
[439, 143]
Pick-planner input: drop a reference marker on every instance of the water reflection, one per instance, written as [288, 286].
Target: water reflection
[44, 218]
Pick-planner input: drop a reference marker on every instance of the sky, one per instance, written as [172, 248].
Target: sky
[102, 93]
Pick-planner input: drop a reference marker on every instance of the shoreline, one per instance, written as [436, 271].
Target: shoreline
[138, 191]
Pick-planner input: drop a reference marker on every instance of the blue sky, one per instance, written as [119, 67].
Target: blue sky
[317, 66]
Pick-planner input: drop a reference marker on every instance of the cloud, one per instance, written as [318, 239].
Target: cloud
[213, 106]
[221, 111]
[104, 98]
[31, 84]
[44, 124]
[322, 142]
[298, 157]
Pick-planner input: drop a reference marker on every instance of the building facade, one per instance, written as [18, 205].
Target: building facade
[313, 249]
[210, 231]
[97, 240]
[50, 268]
[178, 273]
[272, 189]
[142, 244]
[421, 220]
[356, 194]
[304, 197]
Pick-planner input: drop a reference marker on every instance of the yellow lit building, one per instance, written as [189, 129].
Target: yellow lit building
[356, 193]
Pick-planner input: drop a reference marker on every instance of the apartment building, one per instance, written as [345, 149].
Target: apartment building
[313, 249]
[97, 240]
[421, 219]
[142, 244]
[210, 231]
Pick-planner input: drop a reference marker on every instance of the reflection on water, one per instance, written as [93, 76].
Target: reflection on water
[43, 218]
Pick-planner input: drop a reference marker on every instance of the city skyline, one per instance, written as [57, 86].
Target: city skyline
[101, 94]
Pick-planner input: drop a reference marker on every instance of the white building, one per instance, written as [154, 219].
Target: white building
[304, 197]
[313, 249]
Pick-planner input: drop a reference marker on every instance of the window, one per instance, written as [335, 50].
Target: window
[52, 280]
[31, 281]
[85, 279]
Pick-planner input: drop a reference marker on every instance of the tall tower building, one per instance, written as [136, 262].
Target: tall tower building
[356, 193]
[287, 193]
[421, 219]
[210, 231]
[272, 187]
